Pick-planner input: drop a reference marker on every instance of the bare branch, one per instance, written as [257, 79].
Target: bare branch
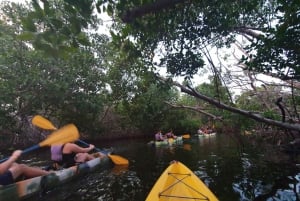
[249, 114]
[249, 32]
[157, 6]
[197, 109]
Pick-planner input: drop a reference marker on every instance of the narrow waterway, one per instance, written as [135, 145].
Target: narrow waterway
[232, 172]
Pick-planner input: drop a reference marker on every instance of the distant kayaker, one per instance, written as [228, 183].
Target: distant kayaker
[10, 170]
[69, 154]
[170, 134]
[159, 136]
[200, 130]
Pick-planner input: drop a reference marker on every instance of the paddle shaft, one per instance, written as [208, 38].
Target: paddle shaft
[46, 124]
[85, 143]
[29, 149]
[68, 133]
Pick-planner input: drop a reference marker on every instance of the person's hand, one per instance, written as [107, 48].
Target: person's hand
[92, 146]
[16, 154]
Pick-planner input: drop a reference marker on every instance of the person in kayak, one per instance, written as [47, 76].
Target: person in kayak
[10, 170]
[70, 154]
[170, 134]
[200, 130]
[159, 136]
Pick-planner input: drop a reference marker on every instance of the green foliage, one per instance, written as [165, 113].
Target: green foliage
[291, 102]
[249, 102]
[147, 111]
[72, 89]
[272, 115]
[278, 51]
[187, 126]
[181, 30]
[58, 27]
[51, 65]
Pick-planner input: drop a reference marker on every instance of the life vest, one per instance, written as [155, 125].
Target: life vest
[158, 137]
[56, 153]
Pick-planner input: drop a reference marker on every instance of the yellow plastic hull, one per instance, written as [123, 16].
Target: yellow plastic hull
[179, 183]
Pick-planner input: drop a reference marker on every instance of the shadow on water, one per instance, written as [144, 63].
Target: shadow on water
[231, 172]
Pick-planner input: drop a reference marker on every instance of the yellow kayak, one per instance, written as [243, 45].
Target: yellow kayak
[178, 182]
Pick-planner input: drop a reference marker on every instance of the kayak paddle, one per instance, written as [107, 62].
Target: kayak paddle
[118, 160]
[46, 124]
[42, 122]
[68, 133]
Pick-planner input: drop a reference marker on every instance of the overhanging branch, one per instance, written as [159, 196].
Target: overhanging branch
[197, 109]
[157, 6]
[249, 114]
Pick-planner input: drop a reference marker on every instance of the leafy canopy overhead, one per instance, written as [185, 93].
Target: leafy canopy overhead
[181, 29]
[177, 31]
[70, 85]
[59, 27]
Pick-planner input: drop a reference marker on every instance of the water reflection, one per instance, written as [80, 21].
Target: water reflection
[232, 173]
[119, 169]
[187, 147]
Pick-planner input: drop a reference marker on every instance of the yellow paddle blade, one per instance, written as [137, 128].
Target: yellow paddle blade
[68, 133]
[41, 122]
[118, 160]
[186, 136]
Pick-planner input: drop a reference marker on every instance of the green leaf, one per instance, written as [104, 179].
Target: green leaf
[27, 36]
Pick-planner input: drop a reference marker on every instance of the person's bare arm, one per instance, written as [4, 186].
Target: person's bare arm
[69, 148]
[8, 163]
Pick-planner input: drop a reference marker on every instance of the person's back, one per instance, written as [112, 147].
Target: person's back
[168, 135]
[56, 153]
[56, 157]
[72, 154]
[158, 136]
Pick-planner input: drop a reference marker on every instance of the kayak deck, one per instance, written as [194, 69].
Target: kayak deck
[29, 187]
[169, 141]
[206, 135]
[178, 182]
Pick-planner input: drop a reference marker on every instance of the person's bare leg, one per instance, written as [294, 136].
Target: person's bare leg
[29, 172]
[15, 171]
[33, 171]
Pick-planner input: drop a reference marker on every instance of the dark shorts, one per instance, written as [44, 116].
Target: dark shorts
[6, 178]
[69, 159]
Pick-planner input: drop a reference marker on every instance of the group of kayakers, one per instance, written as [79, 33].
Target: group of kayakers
[65, 155]
[160, 137]
[205, 130]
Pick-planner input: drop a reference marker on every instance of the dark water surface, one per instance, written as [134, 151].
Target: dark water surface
[231, 172]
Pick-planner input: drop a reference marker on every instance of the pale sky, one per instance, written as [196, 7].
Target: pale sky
[17, 1]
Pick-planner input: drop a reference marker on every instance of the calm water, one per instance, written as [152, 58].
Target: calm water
[232, 172]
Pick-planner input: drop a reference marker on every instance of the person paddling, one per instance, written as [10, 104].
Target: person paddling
[69, 154]
[170, 134]
[10, 170]
[159, 136]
